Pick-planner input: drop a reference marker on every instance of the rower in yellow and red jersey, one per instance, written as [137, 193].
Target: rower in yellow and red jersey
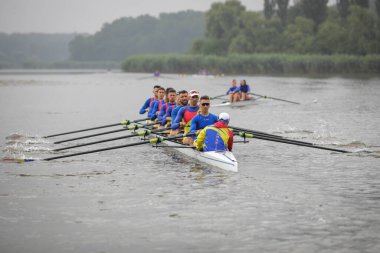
[217, 137]
[149, 101]
[186, 114]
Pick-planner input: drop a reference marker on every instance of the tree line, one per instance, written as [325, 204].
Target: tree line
[307, 27]
[20, 50]
[169, 33]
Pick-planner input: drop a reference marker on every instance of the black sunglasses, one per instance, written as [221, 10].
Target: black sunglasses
[205, 104]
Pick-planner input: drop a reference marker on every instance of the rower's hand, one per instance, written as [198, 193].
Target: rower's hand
[182, 124]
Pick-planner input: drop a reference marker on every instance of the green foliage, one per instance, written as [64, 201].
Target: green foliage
[129, 36]
[269, 8]
[342, 6]
[315, 10]
[254, 64]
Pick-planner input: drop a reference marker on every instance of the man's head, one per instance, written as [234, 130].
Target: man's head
[160, 93]
[171, 95]
[204, 102]
[194, 97]
[183, 97]
[234, 82]
[155, 90]
[224, 117]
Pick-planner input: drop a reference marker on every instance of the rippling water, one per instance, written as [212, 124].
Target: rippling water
[283, 199]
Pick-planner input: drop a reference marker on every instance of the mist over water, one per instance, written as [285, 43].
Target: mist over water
[284, 198]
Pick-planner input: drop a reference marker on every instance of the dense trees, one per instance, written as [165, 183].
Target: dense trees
[307, 27]
[124, 37]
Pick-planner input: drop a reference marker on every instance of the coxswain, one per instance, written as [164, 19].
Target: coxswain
[217, 137]
[185, 115]
[170, 102]
[156, 105]
[149, 101]
[233, 92]
[203, 118]
[244, 90]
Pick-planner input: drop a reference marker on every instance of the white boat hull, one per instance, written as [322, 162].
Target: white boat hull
[222, 159]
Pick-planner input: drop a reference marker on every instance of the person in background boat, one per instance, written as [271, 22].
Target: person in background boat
[156, 105]
[244, 89]
[156, 73]
[149, 101]
[186, 114]
[170, 103]
[217, 137]
[234, 92]
[182, 100]
[203, 118]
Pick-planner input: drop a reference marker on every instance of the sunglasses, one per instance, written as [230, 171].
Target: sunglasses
[205, 104]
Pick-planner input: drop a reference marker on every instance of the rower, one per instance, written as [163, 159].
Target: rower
[149, 101]
[185, 115]
[244, 90]
[170, 103]
[217, 137]
[182, 100]
[203, 118]
[233, 92]
[156, 105]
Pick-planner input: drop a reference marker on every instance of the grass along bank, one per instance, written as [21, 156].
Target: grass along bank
[288, 64]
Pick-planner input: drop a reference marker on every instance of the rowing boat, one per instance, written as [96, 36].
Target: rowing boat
[236, 104]
[222, 159]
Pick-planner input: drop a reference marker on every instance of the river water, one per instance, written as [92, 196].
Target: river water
[284, 198]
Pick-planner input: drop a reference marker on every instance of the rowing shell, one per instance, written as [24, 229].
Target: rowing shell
[222, 159]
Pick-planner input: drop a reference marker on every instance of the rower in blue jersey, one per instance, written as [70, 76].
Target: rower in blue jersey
[233, 91]
[183, 97]
[244, 90]
[186, 114]
[149, 101]
[170, 103]
[204, 117]
[156, 105]
[171, 112]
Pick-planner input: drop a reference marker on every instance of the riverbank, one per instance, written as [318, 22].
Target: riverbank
[263, 64]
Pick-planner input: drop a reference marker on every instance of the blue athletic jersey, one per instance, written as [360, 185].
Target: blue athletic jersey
[146, 105]
[199, 122]
[179, 117]
[152, 113]
[232, 90]
[163, 111]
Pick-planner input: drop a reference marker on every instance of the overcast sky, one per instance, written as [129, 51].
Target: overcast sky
[68, 16]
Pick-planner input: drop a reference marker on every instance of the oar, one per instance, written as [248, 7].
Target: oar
[219, 96]
[263, 134]
[264, 96]
[123, 122]
[152, 141]
[133, 127]
[142, 133]
[249, 135]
